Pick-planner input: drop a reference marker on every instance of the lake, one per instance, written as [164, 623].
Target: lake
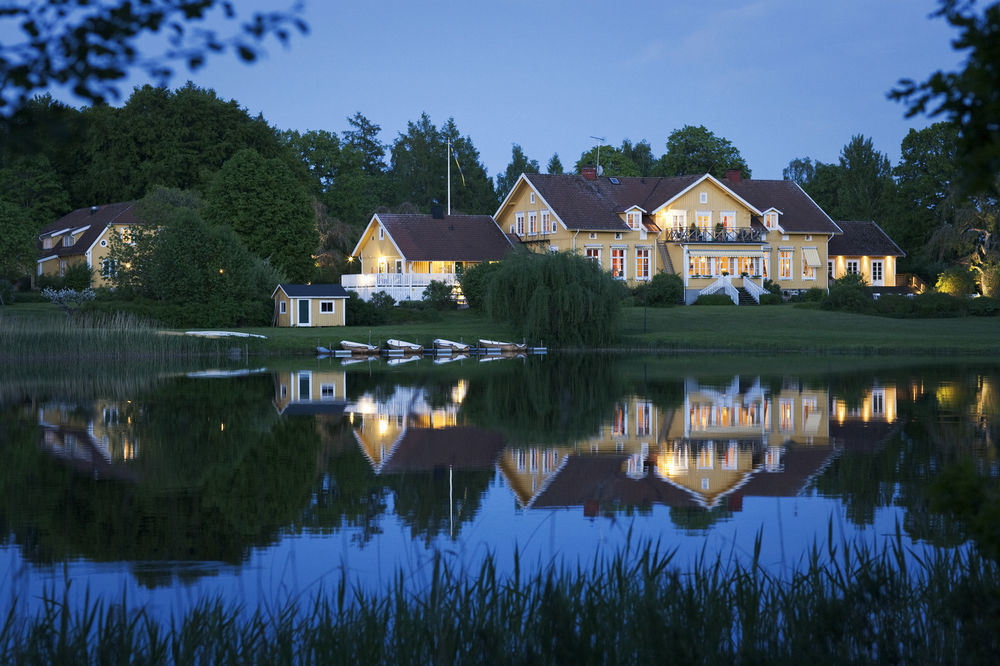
[266, 483]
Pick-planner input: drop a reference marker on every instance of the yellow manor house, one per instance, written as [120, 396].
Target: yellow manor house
[719, 235]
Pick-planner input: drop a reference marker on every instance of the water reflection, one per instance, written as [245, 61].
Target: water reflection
[207, 468]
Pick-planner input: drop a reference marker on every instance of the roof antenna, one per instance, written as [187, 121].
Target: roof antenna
[601, 139]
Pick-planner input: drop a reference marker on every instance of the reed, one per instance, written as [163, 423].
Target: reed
[847, 603]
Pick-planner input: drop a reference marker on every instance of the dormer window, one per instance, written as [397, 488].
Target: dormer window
[634, 219]
[771, 220]
[67, 240]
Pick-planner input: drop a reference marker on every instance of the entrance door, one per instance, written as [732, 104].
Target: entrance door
[303, 311]
[877, 274]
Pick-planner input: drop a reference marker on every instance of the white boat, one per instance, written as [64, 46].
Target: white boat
[323, 351]
[497, 345]
[403, 346]
[450, 346]
[399, 360]
[223, 334]
[450, 358]
[358, 347]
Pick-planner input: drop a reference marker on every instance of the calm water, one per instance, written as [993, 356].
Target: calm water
[277, 482]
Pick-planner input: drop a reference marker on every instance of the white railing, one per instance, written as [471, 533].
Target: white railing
[401, 286]
[754, 289]
[724, 282]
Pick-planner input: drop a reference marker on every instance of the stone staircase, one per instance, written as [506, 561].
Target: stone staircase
[745, 297]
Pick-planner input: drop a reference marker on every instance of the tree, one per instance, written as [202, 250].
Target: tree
[519, 163]
[866, 181]
[555, 165]
[969, 98]
[31, 183]
[696, 150]
[641, 154]
[800, 170]
[364, 138]
[17, 242]
[268, 208]
[89, 46]
[613, 162]
[419, 168]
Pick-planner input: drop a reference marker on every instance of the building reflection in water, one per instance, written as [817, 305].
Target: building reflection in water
[97, 438]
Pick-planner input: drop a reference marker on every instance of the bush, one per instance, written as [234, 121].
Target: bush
[772, 287]
[892, 305]
[439, 295]
[956, 281]
[381, 300]
[934, 304]
[665, 290]
[362, 313]
[984, 307]
[475, 280]
[849, 293]
[720, 298]
[771, 299]
[989, 278]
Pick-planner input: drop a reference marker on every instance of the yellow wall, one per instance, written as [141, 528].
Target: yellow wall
[94, 257]
[777, 242]
[309, 386]
[718, 200]
[374, 249]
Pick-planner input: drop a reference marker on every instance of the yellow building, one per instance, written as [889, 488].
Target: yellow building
[309, 305]
[866, 250]
[84, 236]
[402, 254]
[724, 235]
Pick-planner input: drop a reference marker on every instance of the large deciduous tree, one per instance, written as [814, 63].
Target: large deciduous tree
[696, 150]
[612, 161]
[89, 46]
[17, 241]
[519, 163]
[970, 97]
[269, 209]
[800, 170]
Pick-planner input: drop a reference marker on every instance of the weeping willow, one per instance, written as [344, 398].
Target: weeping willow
[559, 299]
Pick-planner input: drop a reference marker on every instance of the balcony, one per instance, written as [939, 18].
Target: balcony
[706, 236]
[401, 286]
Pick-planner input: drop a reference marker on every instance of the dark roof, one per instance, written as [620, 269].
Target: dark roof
[97, 217]
[600, 478]
[596, 204]
[460, 447]
[449, 238]
[799, 213]
[862, 238]
[312, 290]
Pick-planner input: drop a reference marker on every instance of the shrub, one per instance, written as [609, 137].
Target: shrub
[772, 287]
[665, 290]
[956, 281]
[362, 313]
[439, 295]
[6, 292]
[989, 278]
[849, 293]
[892, 305]
[382, 300]
[771, 299]
[720, 298]
[77, 276]
[934, 304]
[475, 280]
[984, 307]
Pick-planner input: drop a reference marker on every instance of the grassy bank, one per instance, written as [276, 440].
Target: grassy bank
[848, 604]
[763, 329]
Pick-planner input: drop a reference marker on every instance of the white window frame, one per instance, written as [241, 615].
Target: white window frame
[532, 197]
[544, 223]
[634, 219]
[327, 391]
[519, 223]
[642, 252]
[381, 232]
[678, 219]
[624, 262]
[852, 267]
[283, 307]
[324, 304]
[593, 252]
[703, 197]
[532, 223]
[830, 268]
[729, 215]
[880, 280]
[808, 272]
[782, 273]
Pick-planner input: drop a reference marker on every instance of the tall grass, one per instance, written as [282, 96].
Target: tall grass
[848, 604]
[108, 337]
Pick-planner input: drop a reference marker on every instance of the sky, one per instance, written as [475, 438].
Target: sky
[779, 78]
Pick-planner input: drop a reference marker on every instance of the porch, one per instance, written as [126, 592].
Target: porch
[401, 286]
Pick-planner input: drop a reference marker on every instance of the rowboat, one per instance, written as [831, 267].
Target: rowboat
[496, 345]
[403, 346]
[358, 347]
[399, 360]
[450, 358]
[450, 346]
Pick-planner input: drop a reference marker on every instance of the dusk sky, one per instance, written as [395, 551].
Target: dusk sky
[778, 78]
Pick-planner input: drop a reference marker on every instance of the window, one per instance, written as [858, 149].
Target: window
[327, 391]
[618, 263]
[704, 220]
[771, 220]
[785, 265]
[519, 223]
[678, 219]
[829, 269]
[644, 419]
[725, 265]
[381, 233]
[786, 414]
[594, 254]
[852, 267]
[877, 271]
[808, 272]
[703, 197]
[699, 266]
[545, 222]
[47, 243]
[634, 219]
[326, 307]
[283, 307]
[532, 223]
[126, 236]
[67, 240]
[728, 219]
[532, 197]
[399, 265]
[642, 263]
[109, 268]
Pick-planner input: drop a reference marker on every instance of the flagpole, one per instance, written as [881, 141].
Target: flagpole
[449, 176]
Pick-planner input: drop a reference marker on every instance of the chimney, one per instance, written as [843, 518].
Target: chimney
[734, 175]
[589, 172]
[437, 212]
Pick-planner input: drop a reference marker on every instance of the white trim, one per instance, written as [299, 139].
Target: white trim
[283, 305]
[331, 303]
[375, 218]
[715, 180]
[297, 315]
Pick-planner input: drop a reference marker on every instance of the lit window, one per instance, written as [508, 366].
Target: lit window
[728, 220]
[545, 222]
[126, 235]
[808, 272]
[594, 254]
[785, 265]
[704, 221]
[678, 219]
[634, 218]
[642, 264]
[532, 223]
[618, 263]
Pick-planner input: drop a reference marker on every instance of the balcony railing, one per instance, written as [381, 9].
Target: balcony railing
[706, 236]
[401, 286]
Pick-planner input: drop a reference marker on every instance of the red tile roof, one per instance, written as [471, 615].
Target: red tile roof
[450, 238]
